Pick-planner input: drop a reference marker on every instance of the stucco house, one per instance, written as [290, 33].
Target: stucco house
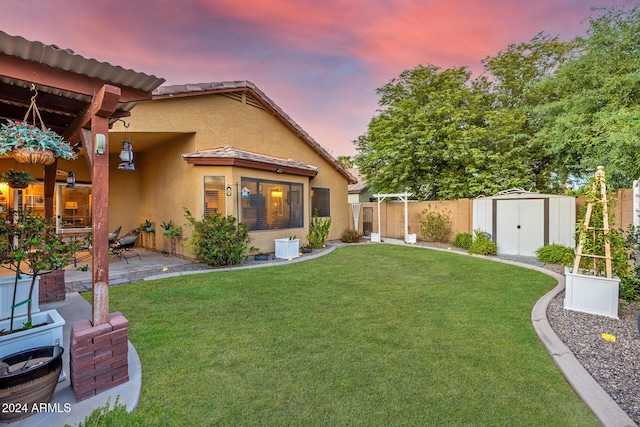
[225, 146]
[359, 191]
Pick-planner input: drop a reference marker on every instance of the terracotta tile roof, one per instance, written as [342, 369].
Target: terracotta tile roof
[234, 86]
[230, 156]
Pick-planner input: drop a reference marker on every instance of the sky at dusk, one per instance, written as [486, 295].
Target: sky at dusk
[319, 60]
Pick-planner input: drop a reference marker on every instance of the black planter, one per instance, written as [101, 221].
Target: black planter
[25, 389]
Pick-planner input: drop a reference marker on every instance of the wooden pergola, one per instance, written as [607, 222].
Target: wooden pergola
[78, 98]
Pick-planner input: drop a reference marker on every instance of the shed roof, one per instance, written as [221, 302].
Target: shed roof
[519, 193]
[244, 85]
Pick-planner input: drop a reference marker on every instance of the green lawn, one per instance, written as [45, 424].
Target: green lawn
[371, 335]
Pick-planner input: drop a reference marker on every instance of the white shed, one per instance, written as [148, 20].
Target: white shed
[521, 221]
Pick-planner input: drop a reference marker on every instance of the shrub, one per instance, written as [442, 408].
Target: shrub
[350, 236]
[463, 240]
[318, 231]
[435, 226]
[218, 240]
[482, 244]
[556, 254]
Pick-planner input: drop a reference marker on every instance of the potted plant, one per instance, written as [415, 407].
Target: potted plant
[257, 254]
[167, 226]
[147, 225]
[601, 259]
[288, 247]
[175, 231]
[30, 248]
[28, 143]
[17, 178]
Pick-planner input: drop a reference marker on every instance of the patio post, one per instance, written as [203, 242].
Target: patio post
[104, 104]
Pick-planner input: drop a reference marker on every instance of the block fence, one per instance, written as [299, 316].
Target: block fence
[461, 211]
[98, 356]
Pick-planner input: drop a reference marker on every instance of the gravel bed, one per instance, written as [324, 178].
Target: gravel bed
[614, 365]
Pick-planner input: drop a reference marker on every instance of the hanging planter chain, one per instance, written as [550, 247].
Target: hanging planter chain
[41, 156]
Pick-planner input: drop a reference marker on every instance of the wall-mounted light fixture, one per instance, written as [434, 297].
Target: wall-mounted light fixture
[228, 190]
[279, 170]
[100, 144]
[126, 155]
[71, 180]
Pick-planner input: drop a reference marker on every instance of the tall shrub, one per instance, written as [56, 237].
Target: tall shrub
[218, 239]
[482, 244]
[318, 231]
[435, 226]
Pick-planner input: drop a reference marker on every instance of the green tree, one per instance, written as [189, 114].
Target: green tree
[416, 142]
[345, 161]
[591, 115]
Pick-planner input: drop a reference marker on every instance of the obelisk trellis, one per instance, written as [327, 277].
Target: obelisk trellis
[600, 197]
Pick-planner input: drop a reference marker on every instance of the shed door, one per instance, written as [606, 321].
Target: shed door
[519, 226]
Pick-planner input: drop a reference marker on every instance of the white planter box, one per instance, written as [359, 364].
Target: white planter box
[410, 238]
[6, 296]
[591, 294]
[375, 237]
[36, 337]
[287, 249]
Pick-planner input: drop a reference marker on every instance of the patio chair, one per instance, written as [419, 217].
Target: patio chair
[114, 236]
[124, 247]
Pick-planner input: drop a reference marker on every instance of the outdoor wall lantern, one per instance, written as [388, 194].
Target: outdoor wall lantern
[279, 170]
[71, 180]
[100, 144]
[126, 155]
[228, 190]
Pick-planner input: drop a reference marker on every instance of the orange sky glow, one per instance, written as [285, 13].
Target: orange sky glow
[321, 61]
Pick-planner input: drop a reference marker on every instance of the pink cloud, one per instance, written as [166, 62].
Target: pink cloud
[320, 61]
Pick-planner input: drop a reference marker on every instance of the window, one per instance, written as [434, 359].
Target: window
[73, 207]
[268, 205]
[214, 198]
[320, 198]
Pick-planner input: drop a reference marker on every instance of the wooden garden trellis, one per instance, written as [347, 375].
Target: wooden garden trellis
[601, 198]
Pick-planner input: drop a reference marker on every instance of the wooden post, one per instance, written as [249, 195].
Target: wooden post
[49, 189]
[104, 104]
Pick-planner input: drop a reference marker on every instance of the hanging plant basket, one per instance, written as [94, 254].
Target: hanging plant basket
[33, 143]
[37, 156]
[17, 178]
[17, 185]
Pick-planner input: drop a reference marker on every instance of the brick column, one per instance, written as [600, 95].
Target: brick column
[98, 356]
[52, 287]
